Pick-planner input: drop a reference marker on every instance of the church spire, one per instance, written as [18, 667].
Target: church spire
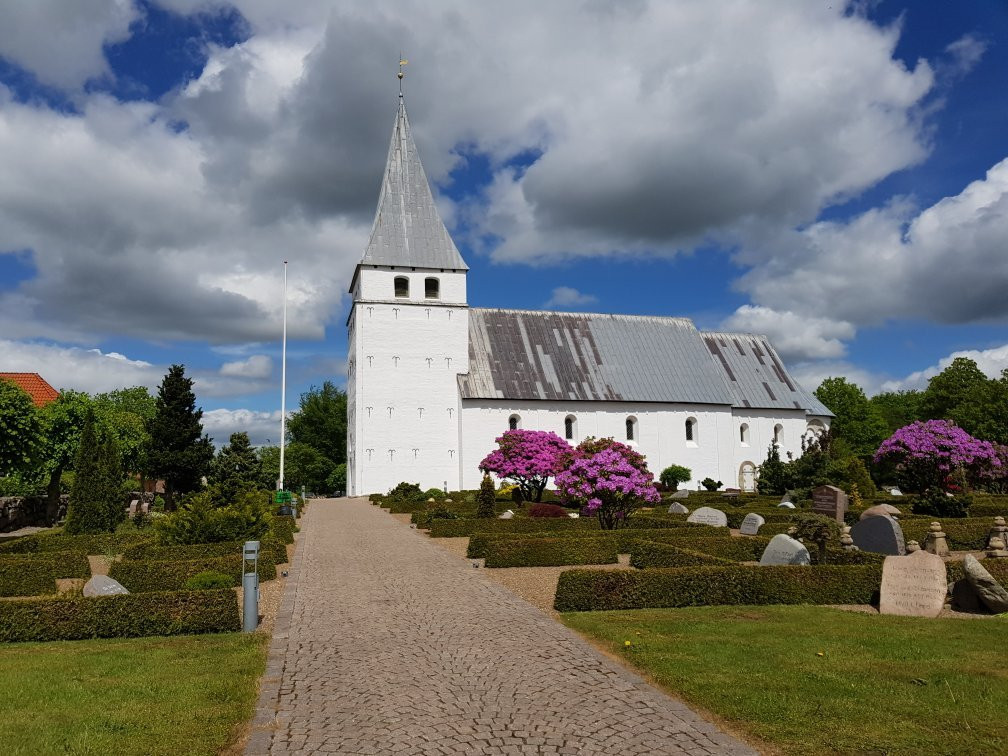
[408, 230]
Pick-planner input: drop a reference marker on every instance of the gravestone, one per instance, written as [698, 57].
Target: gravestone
[879, 535]
[964, 598]
[880, 510]
[992, 594]
[751, 524]
[133, 507]
[783, 549]
[914, 585]
[830, 501]
[788, 496]
[680, 494]
[895, 492]
[103, 585]
[507, 515]
[786, 505]
[709, 516]
[676, 508]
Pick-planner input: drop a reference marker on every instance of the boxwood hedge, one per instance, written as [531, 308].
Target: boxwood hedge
[592, 590]
[966, 534]
[271, 548]
[460, 528]
[651, 554]
[478, 542]
[550, 552]
[127, 616]
[283, 528]
[100, 543]
[24, 575]
[143, 576]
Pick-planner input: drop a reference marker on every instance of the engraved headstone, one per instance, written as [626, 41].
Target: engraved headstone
[680, 494]
[913, 585]
[783, 549]
[709, 516]
[879, 535]
[507, 515]
[751, 524]
[103, 585]
[880, 510]
[676, 508]
[829, 501]
[992, 594]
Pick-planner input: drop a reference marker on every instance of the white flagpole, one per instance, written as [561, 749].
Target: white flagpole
[283, 382]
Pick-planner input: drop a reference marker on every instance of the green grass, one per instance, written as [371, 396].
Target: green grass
[883, 685]
[181, 695]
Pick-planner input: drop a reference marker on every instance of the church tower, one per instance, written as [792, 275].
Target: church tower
[408, 336]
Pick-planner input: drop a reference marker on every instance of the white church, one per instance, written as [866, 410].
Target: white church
[431, 382]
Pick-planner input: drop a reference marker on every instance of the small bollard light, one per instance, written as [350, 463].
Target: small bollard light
[250, 586]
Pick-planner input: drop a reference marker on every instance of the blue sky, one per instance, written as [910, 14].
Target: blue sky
[832, 175]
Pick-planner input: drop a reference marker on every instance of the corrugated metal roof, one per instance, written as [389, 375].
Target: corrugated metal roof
[756, 375]
[407, 229]
[536, 355]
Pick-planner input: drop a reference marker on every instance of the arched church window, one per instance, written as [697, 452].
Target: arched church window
[513, 422]
[778, 433]
[631, 428]
[569, 427]
[432, 288]
[691, 429]
[401, 286]
[744, 434]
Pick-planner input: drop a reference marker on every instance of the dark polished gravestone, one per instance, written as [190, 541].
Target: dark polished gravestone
[751, 524]
[914, 585]
[782, 550]
[879, 535]
[709, 516]
[830, 501]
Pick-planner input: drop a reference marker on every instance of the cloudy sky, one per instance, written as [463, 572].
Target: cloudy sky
[834, 175]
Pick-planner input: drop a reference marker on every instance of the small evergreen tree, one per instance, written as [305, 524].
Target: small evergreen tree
[177, 450]
[96, 504]
[775, 476]
[486, 498]
[236, 467]
[673, 475]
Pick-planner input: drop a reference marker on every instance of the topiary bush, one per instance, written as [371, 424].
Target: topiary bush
[600, 590]
[818, 530]
[486, 499]
[209, 580]
[125, 616]
[546, 510]
[710, 484]
[147, 576]
[673, 475]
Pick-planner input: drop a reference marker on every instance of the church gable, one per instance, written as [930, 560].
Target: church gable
[532, 355]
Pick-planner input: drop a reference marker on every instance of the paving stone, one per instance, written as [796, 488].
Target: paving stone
[396, 646]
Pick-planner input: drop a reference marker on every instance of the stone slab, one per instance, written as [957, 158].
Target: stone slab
[783, 549]
[914, 585]
[879, 535]
[709, 516]
[103, 585]
[751, 524]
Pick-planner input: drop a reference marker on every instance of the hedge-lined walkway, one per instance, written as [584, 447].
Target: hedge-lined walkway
[395, 646]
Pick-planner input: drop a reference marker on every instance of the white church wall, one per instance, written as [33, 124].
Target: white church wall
[760, 425]
[660, 432]
[407, 360]
[379, 284]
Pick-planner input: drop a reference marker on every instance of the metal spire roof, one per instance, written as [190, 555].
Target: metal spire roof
[407, 229]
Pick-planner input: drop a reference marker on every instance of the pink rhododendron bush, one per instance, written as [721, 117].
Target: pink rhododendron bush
[607, 479]
[529, 458]
[929, 454]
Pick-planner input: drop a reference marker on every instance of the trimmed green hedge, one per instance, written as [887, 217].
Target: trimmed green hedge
[269, 548]
[998, 568]
[283, 529]
[26, 575]
[168, 575]
[966, 534]
[479, 542]
[128, 616]
[461, 528]
[96, 544]
[651, 554]
[550, 552]
[595, 590]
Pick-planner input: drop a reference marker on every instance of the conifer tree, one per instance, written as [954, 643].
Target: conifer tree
[96, 505]
[486, 498]
[177, 450]
[236, 467]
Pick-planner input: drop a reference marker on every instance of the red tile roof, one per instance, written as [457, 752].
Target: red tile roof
[34, 385]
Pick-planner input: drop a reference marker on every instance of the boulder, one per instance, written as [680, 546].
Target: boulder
[507, 515]
[964, 598]
[676, 508]
[680, 494]
[992, 594]
[103, 585]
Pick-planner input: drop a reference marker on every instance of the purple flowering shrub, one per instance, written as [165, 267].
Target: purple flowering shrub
[607, 479]
[930, 454]
[529, 458]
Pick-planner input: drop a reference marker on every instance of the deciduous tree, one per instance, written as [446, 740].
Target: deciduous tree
[21, 438]
[857, 422]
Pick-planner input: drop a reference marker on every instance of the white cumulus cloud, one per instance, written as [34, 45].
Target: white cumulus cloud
[567, 296]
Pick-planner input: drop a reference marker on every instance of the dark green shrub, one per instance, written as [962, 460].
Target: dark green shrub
[622, 541]
[597, 590]
[26, 575]
[817, 530]
[550, 552]
[200, 520]
[100, 543]
[935, 503]
[486, 498]
[282, 529]
[710, 484]
[546, 510]
[434, 493]
[269, 548]
[406, 490]
[651, 554]
[967, 534]
[673, 475]
[96, 503]
[127, 616]
[148, 576]
[209, 580]
[459, 528]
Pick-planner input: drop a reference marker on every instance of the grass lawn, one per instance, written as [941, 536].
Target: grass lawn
[179, 695]
[815, 680]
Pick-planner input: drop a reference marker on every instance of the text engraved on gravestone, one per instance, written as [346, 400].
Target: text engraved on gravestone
[830, 501]
[709, 516]
[913, 586]
[751, 524]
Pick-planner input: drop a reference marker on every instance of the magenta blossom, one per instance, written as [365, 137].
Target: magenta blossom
[606, 479]
[926, 454]
[529, 458]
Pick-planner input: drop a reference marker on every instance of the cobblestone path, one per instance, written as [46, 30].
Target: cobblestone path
[385, 643]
